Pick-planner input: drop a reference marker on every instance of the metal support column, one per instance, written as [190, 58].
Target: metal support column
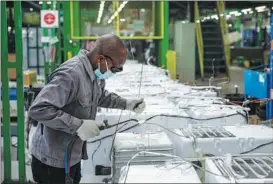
[20, 89]
[164, 43]
[269, 108]
[59, 51]
[71, 47]
[45, 47]
[5, 93]
[52, 63]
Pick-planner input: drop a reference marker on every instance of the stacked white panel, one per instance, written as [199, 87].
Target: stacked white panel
[196, 141]
[169, 173]
[127, 145]
[241, 169]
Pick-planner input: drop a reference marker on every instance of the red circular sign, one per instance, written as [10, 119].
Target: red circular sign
[49, 18]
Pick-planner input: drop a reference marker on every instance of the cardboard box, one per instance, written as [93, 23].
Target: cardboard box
[12, 71]
[30, 77]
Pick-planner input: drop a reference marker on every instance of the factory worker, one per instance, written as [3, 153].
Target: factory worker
[66, 109]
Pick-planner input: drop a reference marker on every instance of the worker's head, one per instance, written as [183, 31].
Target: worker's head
[108, 54]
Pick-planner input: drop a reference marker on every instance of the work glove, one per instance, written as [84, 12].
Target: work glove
[89, 129]
[136, 106]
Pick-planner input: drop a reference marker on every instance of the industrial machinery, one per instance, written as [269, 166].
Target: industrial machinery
[257, 168]
[166, 173]
[196, 141]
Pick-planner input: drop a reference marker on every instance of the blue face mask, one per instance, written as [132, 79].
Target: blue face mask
[105, 75]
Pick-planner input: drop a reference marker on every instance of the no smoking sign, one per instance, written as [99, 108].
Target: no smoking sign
[49, 19]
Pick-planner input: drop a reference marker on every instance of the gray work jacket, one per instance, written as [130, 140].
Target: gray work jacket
[72, 94]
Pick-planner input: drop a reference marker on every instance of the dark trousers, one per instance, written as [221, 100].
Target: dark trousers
[44, 174]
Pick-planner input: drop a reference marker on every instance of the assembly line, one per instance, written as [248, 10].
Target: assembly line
[118, 101]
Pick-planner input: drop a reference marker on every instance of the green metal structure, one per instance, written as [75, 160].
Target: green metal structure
[71, 48]
[18, 65]
[5, 93]
[164, 43]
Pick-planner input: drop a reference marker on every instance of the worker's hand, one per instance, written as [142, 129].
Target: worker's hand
[88, 129]
[137, 106]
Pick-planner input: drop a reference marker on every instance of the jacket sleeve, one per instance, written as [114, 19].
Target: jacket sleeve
[47, 106]
[111, 100]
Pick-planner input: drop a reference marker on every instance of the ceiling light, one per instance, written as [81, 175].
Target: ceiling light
[230, 25]
[238, 14]
[228, 16]
[221, 15]
[48, 2]
[198, 21]
[214, 17]
[31, 9]
[40, 2]
[233, 12]
[246, 10]
[116, 13]
[260, 7]
[122, 20]
[100, 11]
[183, 22]
[142, 10]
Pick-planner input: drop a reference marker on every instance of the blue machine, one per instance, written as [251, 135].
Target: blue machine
[270, 104]
[259, 84]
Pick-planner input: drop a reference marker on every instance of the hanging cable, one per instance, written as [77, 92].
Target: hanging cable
[162, 115]
[140, 82]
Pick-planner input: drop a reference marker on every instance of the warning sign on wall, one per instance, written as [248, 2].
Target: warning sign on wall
[49, 19]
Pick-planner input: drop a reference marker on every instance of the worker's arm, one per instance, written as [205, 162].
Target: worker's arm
[46, 108]
[111, 100]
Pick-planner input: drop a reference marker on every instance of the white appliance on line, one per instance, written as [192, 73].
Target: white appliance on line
[254, 168]
[166, 173]
[200, 140]
[127, 145]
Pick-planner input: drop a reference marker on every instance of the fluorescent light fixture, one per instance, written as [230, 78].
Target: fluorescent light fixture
[261, 10]
[116, 13]
[260, 7]
[30, 9]
[233, 12]
[214, 17]
[100, 11]
[40, 2]
[238, 14]
[122, 20]
[183, 22]
[246, 10]
[48, 2]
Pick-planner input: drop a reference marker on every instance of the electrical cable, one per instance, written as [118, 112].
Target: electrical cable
[140, 82]
[164, 115]
[95, 152]
[262, 145]
[126, 169]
